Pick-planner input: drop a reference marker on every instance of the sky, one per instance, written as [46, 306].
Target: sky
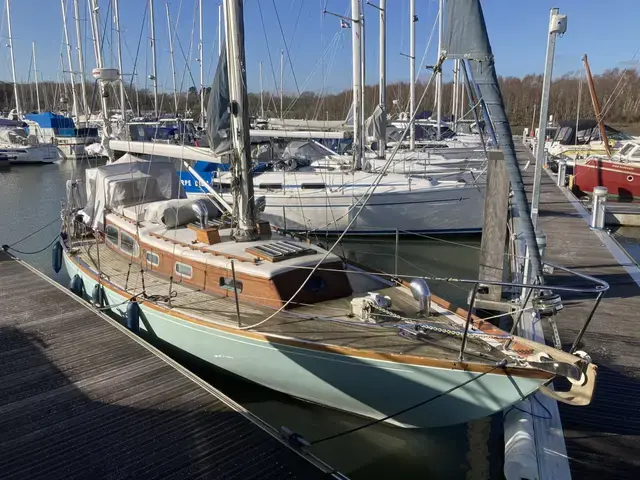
[317, 50]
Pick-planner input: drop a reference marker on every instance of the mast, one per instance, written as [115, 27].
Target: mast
[173, 63]
[382, 140]
[412, 74]
[83, 85]
[116, 13]
[439, 73]
[356, 38]
[219, 30]
[544, 114]
[363, 70]
[35, 75]
[200, 61]
[74, 96]
[13, 62]
[281, 84]
[596, 105]
[454, 95]
[261, 95]
[154, 66]
[239, 103]
[103, 93]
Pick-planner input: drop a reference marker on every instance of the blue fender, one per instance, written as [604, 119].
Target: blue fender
[56, 257]
[133, 316]
[97, 295]
[76, 285]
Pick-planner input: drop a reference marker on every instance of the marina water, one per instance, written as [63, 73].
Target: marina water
[30, 198]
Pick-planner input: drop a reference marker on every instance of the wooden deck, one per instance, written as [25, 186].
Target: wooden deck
[80, 397]
[603, 439]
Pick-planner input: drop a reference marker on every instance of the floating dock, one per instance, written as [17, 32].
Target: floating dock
[82, 397]
[603, 439]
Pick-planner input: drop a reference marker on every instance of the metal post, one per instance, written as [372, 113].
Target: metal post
[13, 63]
[586, 323]
[154, 65]
[472, 302]
[35, 75]
[235, 293]
[173, 62]
[599, 207]
[412, 74]
[544, 112]
[562, 172]
[83, 84]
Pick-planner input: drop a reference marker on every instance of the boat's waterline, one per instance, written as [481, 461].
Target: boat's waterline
[373, 386]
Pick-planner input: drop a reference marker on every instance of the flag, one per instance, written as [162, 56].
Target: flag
[344, 24]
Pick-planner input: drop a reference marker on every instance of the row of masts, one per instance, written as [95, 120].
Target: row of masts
[77, 77]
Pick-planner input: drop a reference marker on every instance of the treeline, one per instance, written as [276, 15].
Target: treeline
[618, 92]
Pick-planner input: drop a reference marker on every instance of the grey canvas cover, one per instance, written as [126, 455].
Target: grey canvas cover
[218, 115]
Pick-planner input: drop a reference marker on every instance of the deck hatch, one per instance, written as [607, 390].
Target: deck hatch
[278, 251]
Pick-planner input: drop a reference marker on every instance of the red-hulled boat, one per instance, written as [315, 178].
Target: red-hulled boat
[620, 173]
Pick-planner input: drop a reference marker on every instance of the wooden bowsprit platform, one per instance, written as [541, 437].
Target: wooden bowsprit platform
[603, 439]
[81, 397]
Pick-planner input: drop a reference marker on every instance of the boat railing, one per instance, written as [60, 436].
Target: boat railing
[546, 303]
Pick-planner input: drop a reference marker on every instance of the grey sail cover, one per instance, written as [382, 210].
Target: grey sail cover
[374, 124]
[218, 115]
[466, 37]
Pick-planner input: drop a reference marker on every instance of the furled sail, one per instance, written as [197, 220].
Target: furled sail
[218, 115]
[466, 38]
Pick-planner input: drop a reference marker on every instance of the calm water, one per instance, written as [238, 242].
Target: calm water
[30, 198]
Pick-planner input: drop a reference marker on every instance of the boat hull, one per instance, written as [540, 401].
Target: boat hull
[621, 179]
[364, 385]
[31, 155]
[435, 211]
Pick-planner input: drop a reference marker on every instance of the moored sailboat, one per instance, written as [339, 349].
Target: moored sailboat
[217, 284]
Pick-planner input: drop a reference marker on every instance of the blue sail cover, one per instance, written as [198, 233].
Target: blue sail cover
[50, 120]
[466, 38]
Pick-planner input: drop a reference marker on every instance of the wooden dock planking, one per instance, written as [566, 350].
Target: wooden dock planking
[603, 439]
[80, 397]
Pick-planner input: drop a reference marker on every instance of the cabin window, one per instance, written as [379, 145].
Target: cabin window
[184, 270]
[627, 149]
[128, 244]
[312, 186]
[314, 284]
[227, 283]
[271, 186]
[112, 235]
[152, 258]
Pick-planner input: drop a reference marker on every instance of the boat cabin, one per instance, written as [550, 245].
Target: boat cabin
[141, 212]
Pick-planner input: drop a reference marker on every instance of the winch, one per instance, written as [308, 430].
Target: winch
[363, 308]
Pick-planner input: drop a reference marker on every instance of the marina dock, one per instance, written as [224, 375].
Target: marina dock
[603, 439]
[82, 397]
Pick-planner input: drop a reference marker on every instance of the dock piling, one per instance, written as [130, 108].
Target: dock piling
[599, 208]
[562, 173]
